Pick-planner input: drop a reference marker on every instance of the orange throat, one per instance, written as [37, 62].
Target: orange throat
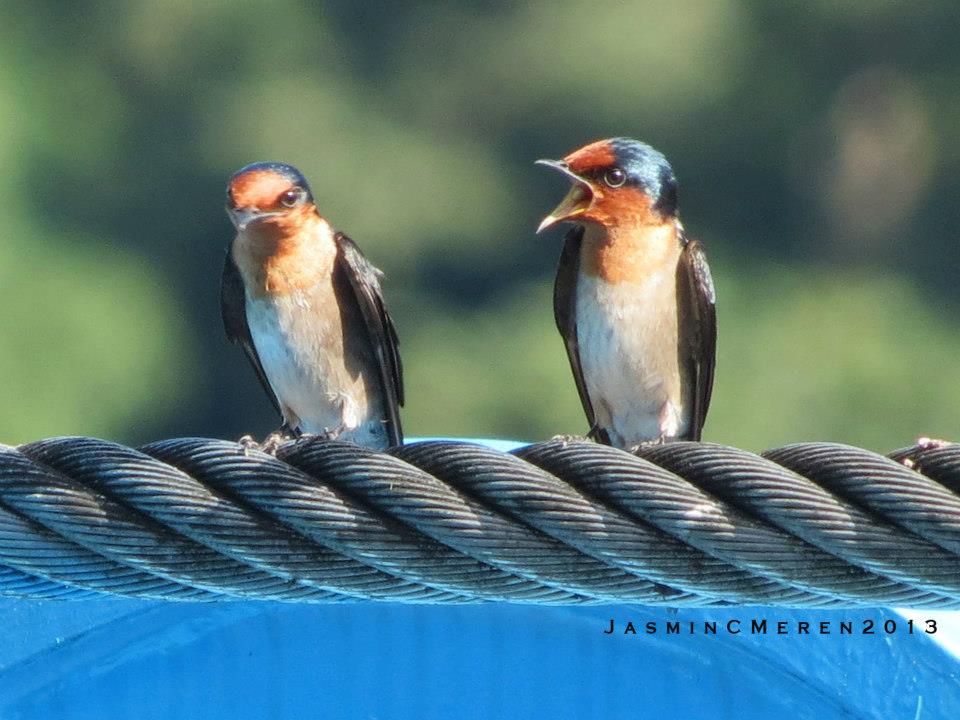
[629, 254]
[280, 257]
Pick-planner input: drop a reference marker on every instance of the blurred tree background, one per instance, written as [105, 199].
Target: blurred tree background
[817, 144]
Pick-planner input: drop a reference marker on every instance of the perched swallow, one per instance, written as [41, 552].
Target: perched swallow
[306, 306]
[633, 299]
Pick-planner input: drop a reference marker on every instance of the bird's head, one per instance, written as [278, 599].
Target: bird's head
[616, 182]
[268, 192]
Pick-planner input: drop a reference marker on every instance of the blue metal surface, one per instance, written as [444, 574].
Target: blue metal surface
[121, 658]
[117, 658]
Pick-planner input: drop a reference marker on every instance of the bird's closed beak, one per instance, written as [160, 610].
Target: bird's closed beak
[243, 217]
[576, 202]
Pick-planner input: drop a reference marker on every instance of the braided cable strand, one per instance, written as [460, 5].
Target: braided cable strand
[530, 493]
[454, 519]
[319, 510]
[674, 496]
[682, 524]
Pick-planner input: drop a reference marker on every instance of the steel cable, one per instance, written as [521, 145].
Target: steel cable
[680, 524]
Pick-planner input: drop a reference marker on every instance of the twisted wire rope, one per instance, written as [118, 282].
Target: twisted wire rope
[562, 522]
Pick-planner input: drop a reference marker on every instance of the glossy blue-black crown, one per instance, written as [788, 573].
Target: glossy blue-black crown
[287, 171]
[649, 170]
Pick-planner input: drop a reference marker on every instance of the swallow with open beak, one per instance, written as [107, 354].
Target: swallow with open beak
[306, 307]
[633, 299]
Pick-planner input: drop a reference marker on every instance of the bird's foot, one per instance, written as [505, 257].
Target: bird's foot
[926, 443]
[646, 445]
[570, 439]
[274, 440]
[333, 433]
[248, 443]
[923, 443]
[270, 444]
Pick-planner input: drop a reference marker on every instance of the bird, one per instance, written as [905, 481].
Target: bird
[633, 298]
[307, 308]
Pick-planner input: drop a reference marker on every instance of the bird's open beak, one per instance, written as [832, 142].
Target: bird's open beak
[243, 217]
[575, 203]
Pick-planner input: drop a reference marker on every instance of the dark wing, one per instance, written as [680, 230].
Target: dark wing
[697, 318]
[233, 308]
[564, 312]
[365, 280]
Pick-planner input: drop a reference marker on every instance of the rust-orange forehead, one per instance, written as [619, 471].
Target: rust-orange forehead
[258, 188]
[595, 155]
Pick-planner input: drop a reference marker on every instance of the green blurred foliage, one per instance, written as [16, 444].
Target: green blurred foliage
[817, 145]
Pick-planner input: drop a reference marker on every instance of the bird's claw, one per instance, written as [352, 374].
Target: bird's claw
[923, 443]
[927, 443]
[273, 441]
[329, 433]
[248, 443]
[570, 439]
[270, 444]
[646, 445]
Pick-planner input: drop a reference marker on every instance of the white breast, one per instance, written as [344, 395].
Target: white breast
[627, 335]
[299, 339]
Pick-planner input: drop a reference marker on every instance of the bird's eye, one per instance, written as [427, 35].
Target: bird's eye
[615, 177]
[293, 197]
